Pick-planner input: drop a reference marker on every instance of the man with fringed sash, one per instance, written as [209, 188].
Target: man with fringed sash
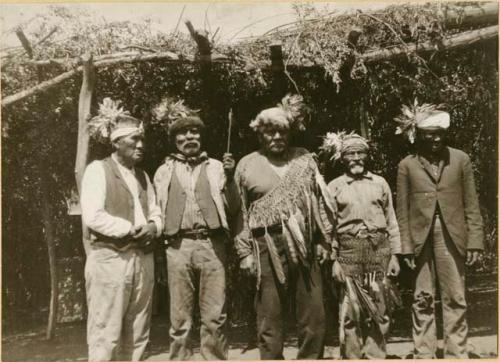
[283, 229]
[194, 191]
[119, 207]
[368, 243]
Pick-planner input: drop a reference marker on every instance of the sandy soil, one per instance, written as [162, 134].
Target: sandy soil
[69, 345]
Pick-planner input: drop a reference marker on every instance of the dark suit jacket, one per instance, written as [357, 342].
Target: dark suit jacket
[419, 192]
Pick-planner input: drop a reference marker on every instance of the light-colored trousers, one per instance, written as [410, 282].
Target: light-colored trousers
[440, 261]
[197, 265]
[119, 298]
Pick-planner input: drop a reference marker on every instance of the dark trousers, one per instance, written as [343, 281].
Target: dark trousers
[304, 290]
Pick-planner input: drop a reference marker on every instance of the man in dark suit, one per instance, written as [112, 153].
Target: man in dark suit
[441, 229]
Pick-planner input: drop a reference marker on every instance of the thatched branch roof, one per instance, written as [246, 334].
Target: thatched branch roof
[317, 39]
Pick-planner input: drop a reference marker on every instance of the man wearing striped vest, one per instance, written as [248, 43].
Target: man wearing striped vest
[192, 190]
[119, 207]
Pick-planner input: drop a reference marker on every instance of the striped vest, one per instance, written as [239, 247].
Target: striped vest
[177, 202]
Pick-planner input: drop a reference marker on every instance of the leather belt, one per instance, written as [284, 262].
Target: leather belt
[273, 229]
[364, 234]
[197, 234]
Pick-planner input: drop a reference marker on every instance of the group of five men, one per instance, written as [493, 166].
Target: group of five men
[286, 223]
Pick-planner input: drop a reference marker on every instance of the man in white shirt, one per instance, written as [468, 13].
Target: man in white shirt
[119, 207]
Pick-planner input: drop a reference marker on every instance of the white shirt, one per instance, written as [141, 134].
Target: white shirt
[188, 176]
[93, 195]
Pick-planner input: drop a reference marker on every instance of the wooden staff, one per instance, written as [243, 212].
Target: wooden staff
[230, 117]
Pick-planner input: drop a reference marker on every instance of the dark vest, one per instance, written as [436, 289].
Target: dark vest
[177, 202]
[119, 201]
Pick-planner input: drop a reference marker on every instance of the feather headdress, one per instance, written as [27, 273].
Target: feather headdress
[168, 111]
[297, 110]
[101, 126]
[291, 112]
[411, 115]
[334, 144]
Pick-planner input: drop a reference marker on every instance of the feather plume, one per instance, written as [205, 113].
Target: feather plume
[297, 235]
[296, 109]
[168, 111]
[290, 243]
[275, 258]
[100, 126]
[365, 300]
[410, 116]
[332, 145]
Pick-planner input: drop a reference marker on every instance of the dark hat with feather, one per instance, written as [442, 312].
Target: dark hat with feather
[175, 116]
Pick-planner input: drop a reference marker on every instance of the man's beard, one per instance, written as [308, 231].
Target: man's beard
[277, 147]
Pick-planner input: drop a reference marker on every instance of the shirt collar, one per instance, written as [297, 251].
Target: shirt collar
[349, 179]
[193, 161]
[443, 156]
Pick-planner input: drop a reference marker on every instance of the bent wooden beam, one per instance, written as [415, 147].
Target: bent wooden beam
[460, 40]
[137, 57]
[461, 17]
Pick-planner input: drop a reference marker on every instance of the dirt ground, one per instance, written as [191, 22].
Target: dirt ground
[69, 345]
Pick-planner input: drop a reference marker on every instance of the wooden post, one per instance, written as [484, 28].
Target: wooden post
[279, 84]
[48, 219]
[202, 42]
[364, 127]
[84, 104]
[25, 42]
[47, 214]
[353, 37]
[352, 43]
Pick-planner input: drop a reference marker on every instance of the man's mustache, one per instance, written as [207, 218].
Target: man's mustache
[190, 143]
[357, 163]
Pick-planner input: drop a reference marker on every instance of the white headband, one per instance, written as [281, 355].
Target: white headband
[125, 131]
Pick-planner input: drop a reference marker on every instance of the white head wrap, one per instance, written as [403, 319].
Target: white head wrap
[435, 120]
[423, 116]
[125, 131]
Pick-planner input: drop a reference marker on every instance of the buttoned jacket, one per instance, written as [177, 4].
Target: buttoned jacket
[420, 190]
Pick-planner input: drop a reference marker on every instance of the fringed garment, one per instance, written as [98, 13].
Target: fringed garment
[364, 261]
[299, 202]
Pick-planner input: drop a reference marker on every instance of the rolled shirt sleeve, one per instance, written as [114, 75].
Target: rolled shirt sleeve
[93, 195]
